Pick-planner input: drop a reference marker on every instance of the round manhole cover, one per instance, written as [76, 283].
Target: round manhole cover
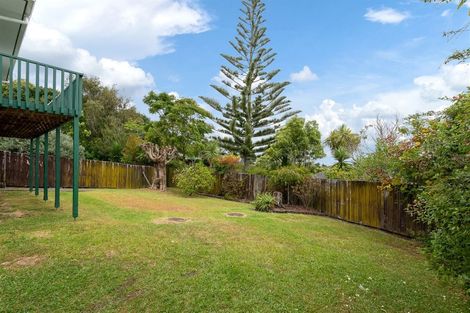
[235, 214]
[170, 220]
[177, 219]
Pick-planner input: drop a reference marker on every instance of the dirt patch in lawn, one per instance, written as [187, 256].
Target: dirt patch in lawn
[235, 214]
[26, 261]
[111, 254]
[139, 203]
[15, 214]
[171, 220]
[41, 234]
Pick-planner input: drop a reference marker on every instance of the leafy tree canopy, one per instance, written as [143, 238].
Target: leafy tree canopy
[181, 123]
[103, 131]
[297, 143]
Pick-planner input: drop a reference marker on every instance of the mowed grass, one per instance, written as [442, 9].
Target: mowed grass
[120, 255]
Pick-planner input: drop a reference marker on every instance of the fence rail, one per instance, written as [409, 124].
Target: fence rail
[93, 174]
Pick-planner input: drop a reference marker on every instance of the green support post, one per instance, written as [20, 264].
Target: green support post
[76, 164]
[57, 168]
[45, 167]
[36, 168]
[31, 158]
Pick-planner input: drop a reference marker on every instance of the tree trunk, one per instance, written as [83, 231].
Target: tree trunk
[155, 177]
[162, 177]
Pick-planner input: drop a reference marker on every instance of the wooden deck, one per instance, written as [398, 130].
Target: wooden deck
[20, 123]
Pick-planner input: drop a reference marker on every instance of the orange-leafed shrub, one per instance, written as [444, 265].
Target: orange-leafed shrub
[228, 160]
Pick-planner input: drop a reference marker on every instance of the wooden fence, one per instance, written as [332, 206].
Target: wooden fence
[359, 202]
[93, 174]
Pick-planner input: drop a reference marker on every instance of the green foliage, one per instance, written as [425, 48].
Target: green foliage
[258, 170]
[382, 164]
[32, 91]
[297, 143]
[106, 121]
[435, 165]
[288, 176]
[255, 105]
[195, 178]
[207, 151]
[264, 202]
[181, 124]
[22, 145]
[342, 173]
[343, 143]
[132, 152]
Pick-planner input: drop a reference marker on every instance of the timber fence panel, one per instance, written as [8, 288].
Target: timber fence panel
[14, 169]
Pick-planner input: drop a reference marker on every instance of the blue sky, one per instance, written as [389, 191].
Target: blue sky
[332, 38]
[348, 61]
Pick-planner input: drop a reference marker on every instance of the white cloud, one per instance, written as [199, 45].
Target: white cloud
[104, 38]
[303, 75]
[426, 94]
[122, 29]
[51, 46]
[328, 116]
[386, 16]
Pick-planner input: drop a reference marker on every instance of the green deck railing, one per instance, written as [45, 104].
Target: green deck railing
[33, 86]
[39, 87]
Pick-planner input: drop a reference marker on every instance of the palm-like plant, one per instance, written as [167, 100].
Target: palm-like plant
[343, 143]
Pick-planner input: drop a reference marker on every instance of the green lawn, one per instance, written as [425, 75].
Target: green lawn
[122, 255]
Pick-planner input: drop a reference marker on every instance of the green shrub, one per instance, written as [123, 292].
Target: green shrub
[195, 178]
[434, 164]
[264, 202]
[288, 176]
[344, 173]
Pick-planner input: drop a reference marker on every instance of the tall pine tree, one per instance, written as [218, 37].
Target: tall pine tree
[255, 105]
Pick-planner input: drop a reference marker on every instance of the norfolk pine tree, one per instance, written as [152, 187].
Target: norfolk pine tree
[255, 106]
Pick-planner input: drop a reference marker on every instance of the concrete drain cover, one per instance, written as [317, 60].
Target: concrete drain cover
[170, 220]
[235, 214]
[177, 219]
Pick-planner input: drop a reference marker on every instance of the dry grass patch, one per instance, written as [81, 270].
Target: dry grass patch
[140, 203]
[22, 262]
[15, 214]
[41, 234]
